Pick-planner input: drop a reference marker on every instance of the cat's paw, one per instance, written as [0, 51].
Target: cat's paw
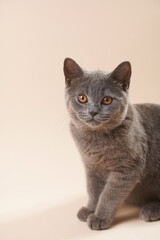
[96, 223]
[150, 212]
[83, 214]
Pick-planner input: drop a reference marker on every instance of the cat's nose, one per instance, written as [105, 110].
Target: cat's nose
[93, 113]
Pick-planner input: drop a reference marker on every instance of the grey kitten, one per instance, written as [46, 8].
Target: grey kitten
[119, 143]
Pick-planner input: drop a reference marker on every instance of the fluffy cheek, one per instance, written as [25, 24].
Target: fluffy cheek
[73, 112]
[119, 114]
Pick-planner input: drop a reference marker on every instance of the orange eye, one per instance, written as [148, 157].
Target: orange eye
[107, 100]
[82, 98]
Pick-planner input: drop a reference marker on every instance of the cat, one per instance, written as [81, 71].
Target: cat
[119, 143]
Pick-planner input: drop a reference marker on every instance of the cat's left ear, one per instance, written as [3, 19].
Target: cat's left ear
[71, 70]
[122, 75]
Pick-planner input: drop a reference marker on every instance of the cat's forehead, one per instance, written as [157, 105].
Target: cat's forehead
[94, 78]
[96, 82]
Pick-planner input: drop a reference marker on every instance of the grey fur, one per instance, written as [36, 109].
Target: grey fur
[119, 144]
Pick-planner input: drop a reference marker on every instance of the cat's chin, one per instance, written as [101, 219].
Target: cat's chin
[93, 123]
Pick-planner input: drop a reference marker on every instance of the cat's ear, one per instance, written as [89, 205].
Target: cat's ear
[71, 70]
[122, 75]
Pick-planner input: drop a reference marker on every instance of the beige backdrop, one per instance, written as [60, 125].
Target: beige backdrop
[39, 164]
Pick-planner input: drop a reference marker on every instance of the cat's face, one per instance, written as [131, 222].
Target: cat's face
[96, 99]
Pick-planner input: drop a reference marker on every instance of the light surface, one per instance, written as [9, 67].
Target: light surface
[42, 180]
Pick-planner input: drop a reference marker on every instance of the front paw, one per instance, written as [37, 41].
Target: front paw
[83, 214]
[96, 223]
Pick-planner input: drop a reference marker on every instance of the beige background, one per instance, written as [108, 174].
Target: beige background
[42, 180]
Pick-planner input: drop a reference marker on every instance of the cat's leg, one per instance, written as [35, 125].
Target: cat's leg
[114, 193]
[94, 187]
[150, 211]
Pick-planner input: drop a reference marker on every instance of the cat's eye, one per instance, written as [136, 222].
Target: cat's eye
[82, 98]
[107, 100]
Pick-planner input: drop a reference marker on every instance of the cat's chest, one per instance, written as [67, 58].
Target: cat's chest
[93, 144]
[101, 151]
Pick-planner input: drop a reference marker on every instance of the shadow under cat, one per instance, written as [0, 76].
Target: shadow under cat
[60, 222]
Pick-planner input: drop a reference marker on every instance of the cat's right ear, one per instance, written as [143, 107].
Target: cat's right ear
[71, 70]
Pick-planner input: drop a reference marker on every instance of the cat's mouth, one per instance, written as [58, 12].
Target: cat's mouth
[93, 122]
[96, 121]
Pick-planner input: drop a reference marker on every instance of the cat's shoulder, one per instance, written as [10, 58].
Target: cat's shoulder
[148, 111]
[147, 107]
